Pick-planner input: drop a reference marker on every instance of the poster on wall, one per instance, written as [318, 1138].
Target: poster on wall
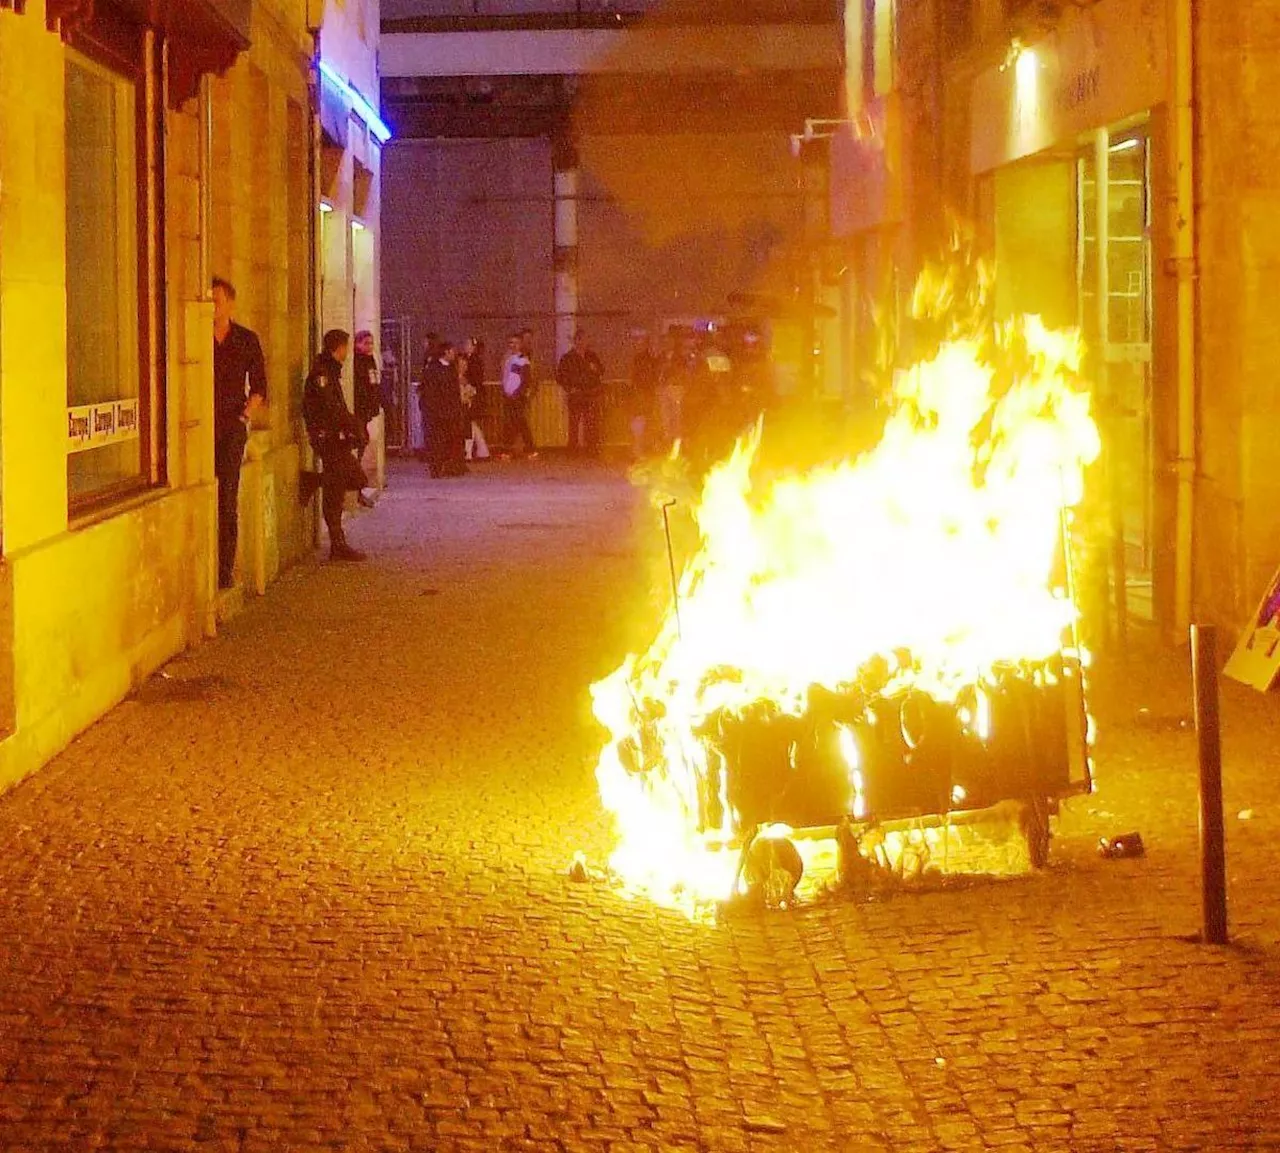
[109, 422]
[1256, 660]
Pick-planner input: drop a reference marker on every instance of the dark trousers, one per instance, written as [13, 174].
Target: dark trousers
[515, 410]
[228, 454]
[335, 478]
[584, 422]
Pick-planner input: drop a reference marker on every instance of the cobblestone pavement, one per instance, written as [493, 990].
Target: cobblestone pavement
[307, 891]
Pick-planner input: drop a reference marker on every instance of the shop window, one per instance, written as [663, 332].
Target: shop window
[108, 388]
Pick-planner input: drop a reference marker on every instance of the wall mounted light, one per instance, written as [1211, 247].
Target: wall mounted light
[1026, 68]
[357, 226]
[1125, 145]
[325, 206]
[368, 113]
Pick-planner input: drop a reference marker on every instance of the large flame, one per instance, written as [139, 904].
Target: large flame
[933, 554]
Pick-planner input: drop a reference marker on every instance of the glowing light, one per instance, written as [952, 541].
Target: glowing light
[1125, 145]
[982, 722]
[1026, 72]
[929, 556]
[357, 226]
[368, 113]
[325, 206]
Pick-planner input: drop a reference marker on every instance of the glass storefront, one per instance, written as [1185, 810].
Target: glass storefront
[1120, 335]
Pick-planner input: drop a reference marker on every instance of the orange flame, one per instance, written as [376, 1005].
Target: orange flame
[939, 543]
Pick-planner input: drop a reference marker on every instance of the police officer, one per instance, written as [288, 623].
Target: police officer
[335, 436]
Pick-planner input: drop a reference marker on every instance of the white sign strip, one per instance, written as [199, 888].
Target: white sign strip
[110, 422]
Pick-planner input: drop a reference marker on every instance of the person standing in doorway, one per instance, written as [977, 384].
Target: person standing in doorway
[334, 436]
[239, 396]
[517, 386]
[368, 400]
[581, 375]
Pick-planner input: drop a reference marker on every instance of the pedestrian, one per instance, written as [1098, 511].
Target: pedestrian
[239, 399]
[672, 381]
[473, 397]
[442, 414]
[581, 374]
[430, 352]
[335, 435]
[517, 387]
[642, 394]
[367, 399]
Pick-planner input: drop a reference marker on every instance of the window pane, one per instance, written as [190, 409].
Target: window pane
[102, 279]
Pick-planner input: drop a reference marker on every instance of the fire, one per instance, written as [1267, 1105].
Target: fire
[923, 567]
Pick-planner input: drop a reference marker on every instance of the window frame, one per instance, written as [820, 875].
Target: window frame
[128, 51]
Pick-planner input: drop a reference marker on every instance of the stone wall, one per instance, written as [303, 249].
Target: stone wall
[1238, 521]
[93, 604]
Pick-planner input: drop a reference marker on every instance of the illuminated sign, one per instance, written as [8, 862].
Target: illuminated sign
[367, 112]
[94, 425]
[1100, 65]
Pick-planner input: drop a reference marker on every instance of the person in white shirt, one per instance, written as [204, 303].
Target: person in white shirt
[517, 387]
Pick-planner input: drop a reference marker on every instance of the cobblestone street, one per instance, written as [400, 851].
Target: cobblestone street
[307, 890]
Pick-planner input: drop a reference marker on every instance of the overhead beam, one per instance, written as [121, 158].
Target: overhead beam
[607, 105]
[759, 49]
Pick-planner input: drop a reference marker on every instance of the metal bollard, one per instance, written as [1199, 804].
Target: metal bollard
[1213, 864]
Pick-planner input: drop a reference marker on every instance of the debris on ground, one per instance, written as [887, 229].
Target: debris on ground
[1124, 847]
[578, 868]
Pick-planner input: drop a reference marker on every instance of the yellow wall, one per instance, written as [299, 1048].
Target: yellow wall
[91, 608]
[33, 393]
[350, 184]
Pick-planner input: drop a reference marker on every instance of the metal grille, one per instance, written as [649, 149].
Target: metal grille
[397, 396]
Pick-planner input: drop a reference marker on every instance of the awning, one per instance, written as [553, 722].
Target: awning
[203, 35]
[57, 13]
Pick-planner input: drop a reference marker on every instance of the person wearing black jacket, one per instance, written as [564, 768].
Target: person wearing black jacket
[581, 375]
[239, 384]
[334, 435]
[442, 413]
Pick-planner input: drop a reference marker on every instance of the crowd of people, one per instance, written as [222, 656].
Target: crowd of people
[453, 403]
[693, 392]
[688, 392]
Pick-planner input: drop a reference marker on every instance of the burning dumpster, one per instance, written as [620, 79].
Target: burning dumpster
[884, 642]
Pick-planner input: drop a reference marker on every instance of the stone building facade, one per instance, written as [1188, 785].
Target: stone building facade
[143, 149]
[1119, 160]
[352, 135]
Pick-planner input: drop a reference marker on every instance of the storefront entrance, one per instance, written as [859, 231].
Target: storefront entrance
[1114, 264]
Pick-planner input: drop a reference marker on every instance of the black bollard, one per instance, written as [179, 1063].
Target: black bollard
[1213, 862]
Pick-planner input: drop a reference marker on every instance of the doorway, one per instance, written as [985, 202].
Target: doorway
[1114, 258]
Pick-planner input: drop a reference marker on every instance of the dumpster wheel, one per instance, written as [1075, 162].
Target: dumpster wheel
[1035, 827]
